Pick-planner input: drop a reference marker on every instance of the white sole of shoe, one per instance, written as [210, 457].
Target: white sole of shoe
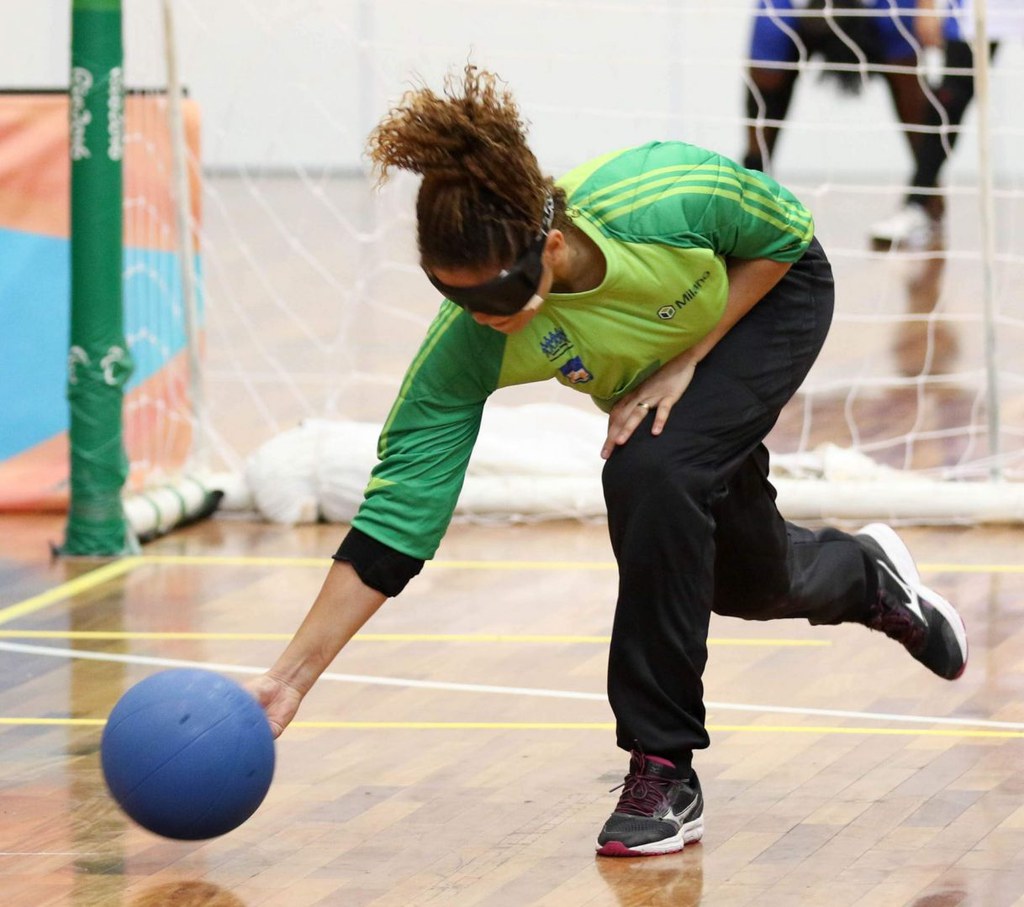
[689, 833]
[903, 560]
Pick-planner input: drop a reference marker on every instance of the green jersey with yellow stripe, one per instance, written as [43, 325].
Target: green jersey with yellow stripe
[666, 216]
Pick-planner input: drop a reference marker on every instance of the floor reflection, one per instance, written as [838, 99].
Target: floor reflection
[186, 894]
[924, 344]
[672, 880]
[951, 898]
[97, 824]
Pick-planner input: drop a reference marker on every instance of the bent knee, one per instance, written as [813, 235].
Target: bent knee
[642, 473]
[760, 595]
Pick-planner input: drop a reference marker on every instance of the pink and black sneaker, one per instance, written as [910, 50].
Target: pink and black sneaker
[656, 813]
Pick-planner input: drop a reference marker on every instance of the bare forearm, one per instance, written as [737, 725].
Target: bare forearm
[343, 605]
[749, 280]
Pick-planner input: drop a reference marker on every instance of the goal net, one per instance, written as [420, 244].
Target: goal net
[315, 304]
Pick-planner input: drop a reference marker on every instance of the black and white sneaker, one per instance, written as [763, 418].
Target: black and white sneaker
[906, 610]
[656, 813]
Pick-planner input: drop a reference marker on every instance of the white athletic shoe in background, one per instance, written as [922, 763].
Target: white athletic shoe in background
[909, 228]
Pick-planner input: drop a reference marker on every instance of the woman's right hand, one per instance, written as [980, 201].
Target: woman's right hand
[343, 605]
[279, 700]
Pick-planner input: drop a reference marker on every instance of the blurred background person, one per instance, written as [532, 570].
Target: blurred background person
[784, 35]
[1005, 19]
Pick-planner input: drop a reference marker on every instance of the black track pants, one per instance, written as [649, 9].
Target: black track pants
[695, 528]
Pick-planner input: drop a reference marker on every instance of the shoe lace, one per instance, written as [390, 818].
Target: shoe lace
[642, 794]
[894, 620]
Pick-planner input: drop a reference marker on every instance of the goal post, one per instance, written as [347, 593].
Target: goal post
[100, 214]
[99, 363]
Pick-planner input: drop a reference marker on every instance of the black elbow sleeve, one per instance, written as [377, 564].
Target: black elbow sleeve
[378, 565]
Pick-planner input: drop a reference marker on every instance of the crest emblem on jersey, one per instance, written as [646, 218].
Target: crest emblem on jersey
[576, 371]
[555, 344]
[666, 312]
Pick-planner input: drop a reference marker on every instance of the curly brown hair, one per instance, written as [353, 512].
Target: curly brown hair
[481, 202]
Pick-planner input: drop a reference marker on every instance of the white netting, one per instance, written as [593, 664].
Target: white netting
[159, 412]
[315, 303]
[163, 304]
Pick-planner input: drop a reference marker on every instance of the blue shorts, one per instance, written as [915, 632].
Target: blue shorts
[951, 27]
[773, 44]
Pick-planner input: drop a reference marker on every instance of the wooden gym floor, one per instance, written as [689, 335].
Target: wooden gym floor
[462, 752]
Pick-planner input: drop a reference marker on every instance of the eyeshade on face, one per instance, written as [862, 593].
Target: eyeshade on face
[514, 289]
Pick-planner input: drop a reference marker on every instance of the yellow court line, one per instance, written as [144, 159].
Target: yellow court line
[971, 568]
[80, 584]
[455, 725]
[523, 565]
[110, 571]
[873, 731]
[377, 637]
[257, 561]
[199, 560]
[117, 568]
[241, 560]
[574, 726]
[607, 726]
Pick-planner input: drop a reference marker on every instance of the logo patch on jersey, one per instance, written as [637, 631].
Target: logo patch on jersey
[667, 312]
[576, 371]
[555, 344]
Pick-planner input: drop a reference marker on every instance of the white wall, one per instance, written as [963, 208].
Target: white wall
[301, 81]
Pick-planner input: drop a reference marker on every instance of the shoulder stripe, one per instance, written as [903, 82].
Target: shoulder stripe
[653, 191]
[750, 182]
[799, 226]
[640, 191]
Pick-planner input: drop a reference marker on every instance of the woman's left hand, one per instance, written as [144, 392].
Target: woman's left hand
[658, 393]
[749, 280]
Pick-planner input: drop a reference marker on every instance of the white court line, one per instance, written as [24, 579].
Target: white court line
[153, 661]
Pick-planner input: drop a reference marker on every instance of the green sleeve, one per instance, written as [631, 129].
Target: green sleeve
[749, 215]
[427, 440]
[685, 196]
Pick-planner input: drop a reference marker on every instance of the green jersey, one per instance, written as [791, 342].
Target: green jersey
[666, 216]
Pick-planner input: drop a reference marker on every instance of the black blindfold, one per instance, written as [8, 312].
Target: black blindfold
[513, 288]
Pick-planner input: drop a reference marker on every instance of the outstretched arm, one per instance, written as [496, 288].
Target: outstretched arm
[342, 606]
[749, 281]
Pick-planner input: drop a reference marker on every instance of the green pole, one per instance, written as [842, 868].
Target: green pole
[98, 359]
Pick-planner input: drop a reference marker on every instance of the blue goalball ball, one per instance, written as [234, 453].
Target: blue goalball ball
[188, 754]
